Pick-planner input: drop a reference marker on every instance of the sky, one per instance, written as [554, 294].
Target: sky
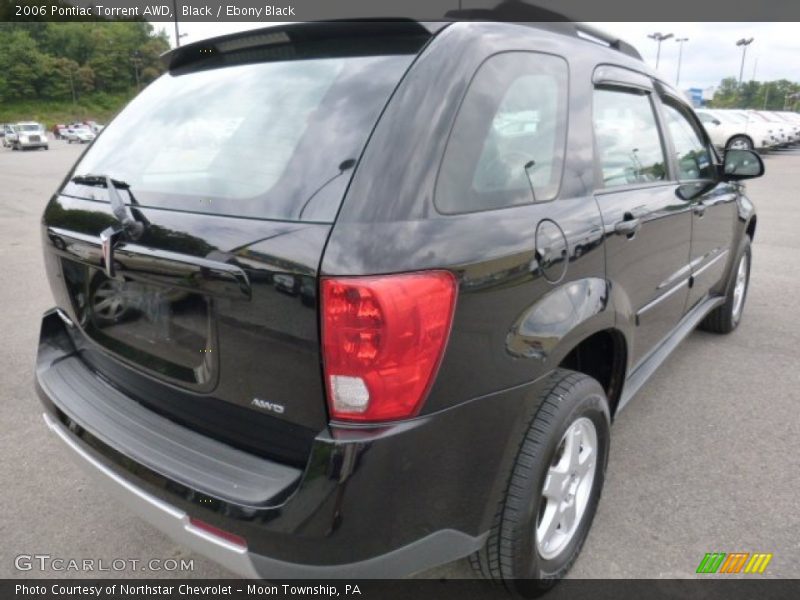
[709, 55]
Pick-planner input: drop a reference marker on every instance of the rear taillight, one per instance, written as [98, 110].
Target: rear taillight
[382, 340]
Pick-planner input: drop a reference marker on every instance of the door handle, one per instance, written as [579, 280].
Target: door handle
[628, 226]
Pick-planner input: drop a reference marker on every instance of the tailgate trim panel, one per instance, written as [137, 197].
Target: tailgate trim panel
[178, 453]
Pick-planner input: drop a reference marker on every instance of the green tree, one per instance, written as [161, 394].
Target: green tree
[62, 61]
[62, 83]
[726, 94]
[768, 95]
[22, 64]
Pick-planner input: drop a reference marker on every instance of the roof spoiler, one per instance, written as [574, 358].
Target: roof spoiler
[284, 37]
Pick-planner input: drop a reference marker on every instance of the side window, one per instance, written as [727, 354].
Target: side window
[692, 155]
[627, 139]
[508, 140]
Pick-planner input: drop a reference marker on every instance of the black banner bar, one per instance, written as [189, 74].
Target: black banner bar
[711, 588]
[423, 10]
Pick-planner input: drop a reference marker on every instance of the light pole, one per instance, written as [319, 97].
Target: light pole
[178, 36]
[744, 43]
[136, 59]
[680, 57]
[659, 37]
[74, 96]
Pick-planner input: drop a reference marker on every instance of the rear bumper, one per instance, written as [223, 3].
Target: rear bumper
[176, 524]
[370, 503]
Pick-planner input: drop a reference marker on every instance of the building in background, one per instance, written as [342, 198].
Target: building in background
[700, 96]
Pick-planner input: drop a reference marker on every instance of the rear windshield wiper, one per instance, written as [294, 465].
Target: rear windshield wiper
[132, 226]
[99, 180]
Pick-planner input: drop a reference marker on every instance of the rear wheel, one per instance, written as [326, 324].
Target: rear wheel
[739, 142]
[554, 488]
[726, 318]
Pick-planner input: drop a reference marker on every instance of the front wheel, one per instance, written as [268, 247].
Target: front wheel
[726, 318]
[739, 142]
[554, 488]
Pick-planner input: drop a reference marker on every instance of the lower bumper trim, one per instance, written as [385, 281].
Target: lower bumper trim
[173, 522]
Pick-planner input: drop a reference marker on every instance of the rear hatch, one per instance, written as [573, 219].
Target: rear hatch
[195, 292]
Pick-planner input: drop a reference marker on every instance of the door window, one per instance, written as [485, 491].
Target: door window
[627, 139]
[507, 144]
[691, 152]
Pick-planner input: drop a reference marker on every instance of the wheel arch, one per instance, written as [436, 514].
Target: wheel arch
[575, 326]
[750, 228]
[602, 355]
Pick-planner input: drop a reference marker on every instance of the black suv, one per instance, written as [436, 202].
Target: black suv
[372, 302]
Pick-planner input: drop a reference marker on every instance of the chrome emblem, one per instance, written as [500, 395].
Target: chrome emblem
[267, 405]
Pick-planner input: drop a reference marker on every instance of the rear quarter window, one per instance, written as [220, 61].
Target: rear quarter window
[507, 145]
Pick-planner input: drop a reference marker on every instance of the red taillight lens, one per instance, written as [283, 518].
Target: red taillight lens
[382, 340]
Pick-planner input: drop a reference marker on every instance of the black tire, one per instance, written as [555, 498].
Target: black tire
[726, 318]
[743, 141]
[511, 555]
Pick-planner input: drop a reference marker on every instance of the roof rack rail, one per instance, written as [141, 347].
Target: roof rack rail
[516, 11]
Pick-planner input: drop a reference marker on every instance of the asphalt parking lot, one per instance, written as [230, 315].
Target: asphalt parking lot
[706, 458]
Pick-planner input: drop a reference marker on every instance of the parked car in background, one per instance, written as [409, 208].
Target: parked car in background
[731, 130]
[792, 126]
[790, 116]
[30, 136]
[2, 130]
[80, 135]
[58, 131]
[442, 380]
[94, 126]
[776, 126]
[9, 135]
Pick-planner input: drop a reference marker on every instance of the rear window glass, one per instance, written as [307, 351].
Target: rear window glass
[275, 140]
[507, 144]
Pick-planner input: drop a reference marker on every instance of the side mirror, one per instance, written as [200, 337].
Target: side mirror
[742, 164]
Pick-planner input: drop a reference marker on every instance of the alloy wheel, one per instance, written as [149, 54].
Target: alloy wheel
[108, 301]
[739, 288]
[567, 488]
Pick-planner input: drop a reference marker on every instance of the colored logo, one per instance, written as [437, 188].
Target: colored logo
[735, 562]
